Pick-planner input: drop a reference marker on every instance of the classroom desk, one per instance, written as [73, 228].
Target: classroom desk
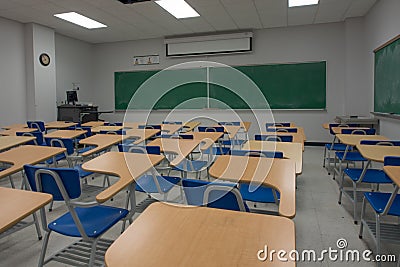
[354, 139]
[106, 128]
[300, 130]
[292, 151]
[378, 153]
[199, 236]
[7, 142]
[276, 173]
[297, 137]
[181, 147]
[191, 125]
[27, 154]
[171, 128]
[141, 134]
[15, 130]
[59, 125]
[127, 166]
[393, 172]
[245, 125]
[15, 205]
[15, 126]
[133, 125]
[101, 142]
[70, 134]
[208, 137]
[93, 124]
[231, 130]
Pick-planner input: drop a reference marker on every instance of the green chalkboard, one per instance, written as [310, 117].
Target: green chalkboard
[278, 86]
[168, 89]
[387, 78]
[283, 86]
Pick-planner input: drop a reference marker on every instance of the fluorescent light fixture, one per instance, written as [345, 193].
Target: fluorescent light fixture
[294, 3]
[178, 8]
[80, 20]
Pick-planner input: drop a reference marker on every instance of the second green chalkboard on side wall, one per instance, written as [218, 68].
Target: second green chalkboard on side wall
[387, 77]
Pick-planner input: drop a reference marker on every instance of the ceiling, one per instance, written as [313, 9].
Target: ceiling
[147, 20]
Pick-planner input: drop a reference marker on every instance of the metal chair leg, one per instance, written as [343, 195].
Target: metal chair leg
[36, 221]
[44, 248]
[93, 253]
[364, 204]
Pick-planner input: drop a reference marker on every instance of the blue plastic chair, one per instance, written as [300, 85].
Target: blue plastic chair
[152, 126]
[151, 183]
[172, 122]
[113, 124]
[88, 221]
[275, 138]
[286, 130]
[366, 175]
[235, 123]
[213, 195]
[37, 124]
[262, 194]
[219, 150]
[383, 204]
[277, 124]
[37, 134]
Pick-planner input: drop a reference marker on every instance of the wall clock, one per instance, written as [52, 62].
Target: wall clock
[44, 59]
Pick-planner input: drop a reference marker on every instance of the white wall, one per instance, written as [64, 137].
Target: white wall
[279, 45]
[381, 24]
[12, 73]
[74, 64]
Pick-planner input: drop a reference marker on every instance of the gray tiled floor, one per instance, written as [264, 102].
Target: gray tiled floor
[320, 221]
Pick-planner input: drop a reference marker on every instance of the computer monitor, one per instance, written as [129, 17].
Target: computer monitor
[72, 96]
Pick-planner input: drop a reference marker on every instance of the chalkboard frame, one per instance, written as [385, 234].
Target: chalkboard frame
[321, 108]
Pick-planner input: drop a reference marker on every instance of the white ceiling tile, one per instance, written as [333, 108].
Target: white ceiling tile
[301, 15]
[215, 14]
[360, 8]
[273, 13]
[332, 11]
[244, 13]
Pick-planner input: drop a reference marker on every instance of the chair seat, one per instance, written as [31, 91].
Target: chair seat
[233, 142]
[378, 201]
[146, 183]
[186, 166]
[350, 156]
[82, 172]
[336, 147]
[371, 176]
[262, 194]
[218, 151]
[58, 158]
[95, 221]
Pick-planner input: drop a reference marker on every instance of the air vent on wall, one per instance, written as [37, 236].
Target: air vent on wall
[132, 1]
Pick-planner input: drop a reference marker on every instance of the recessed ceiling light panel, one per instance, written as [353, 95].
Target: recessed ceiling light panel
[294, 3]
[178, 8]
[80, 20]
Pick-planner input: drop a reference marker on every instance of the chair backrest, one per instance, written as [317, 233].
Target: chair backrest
[286, 130]
[380, 142]
[215, 195]
[391, 161]
[83, 128]
[37, 124]
[61, 142]
[276, 138]
[277, 124]
[113, 124]
[257, 153]
[69, 179]
[118, 132]
[234, 123]
[172, 122]
[139, 149]
[369, 131]
[150, 126]
[211, 129]
[39, 137]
